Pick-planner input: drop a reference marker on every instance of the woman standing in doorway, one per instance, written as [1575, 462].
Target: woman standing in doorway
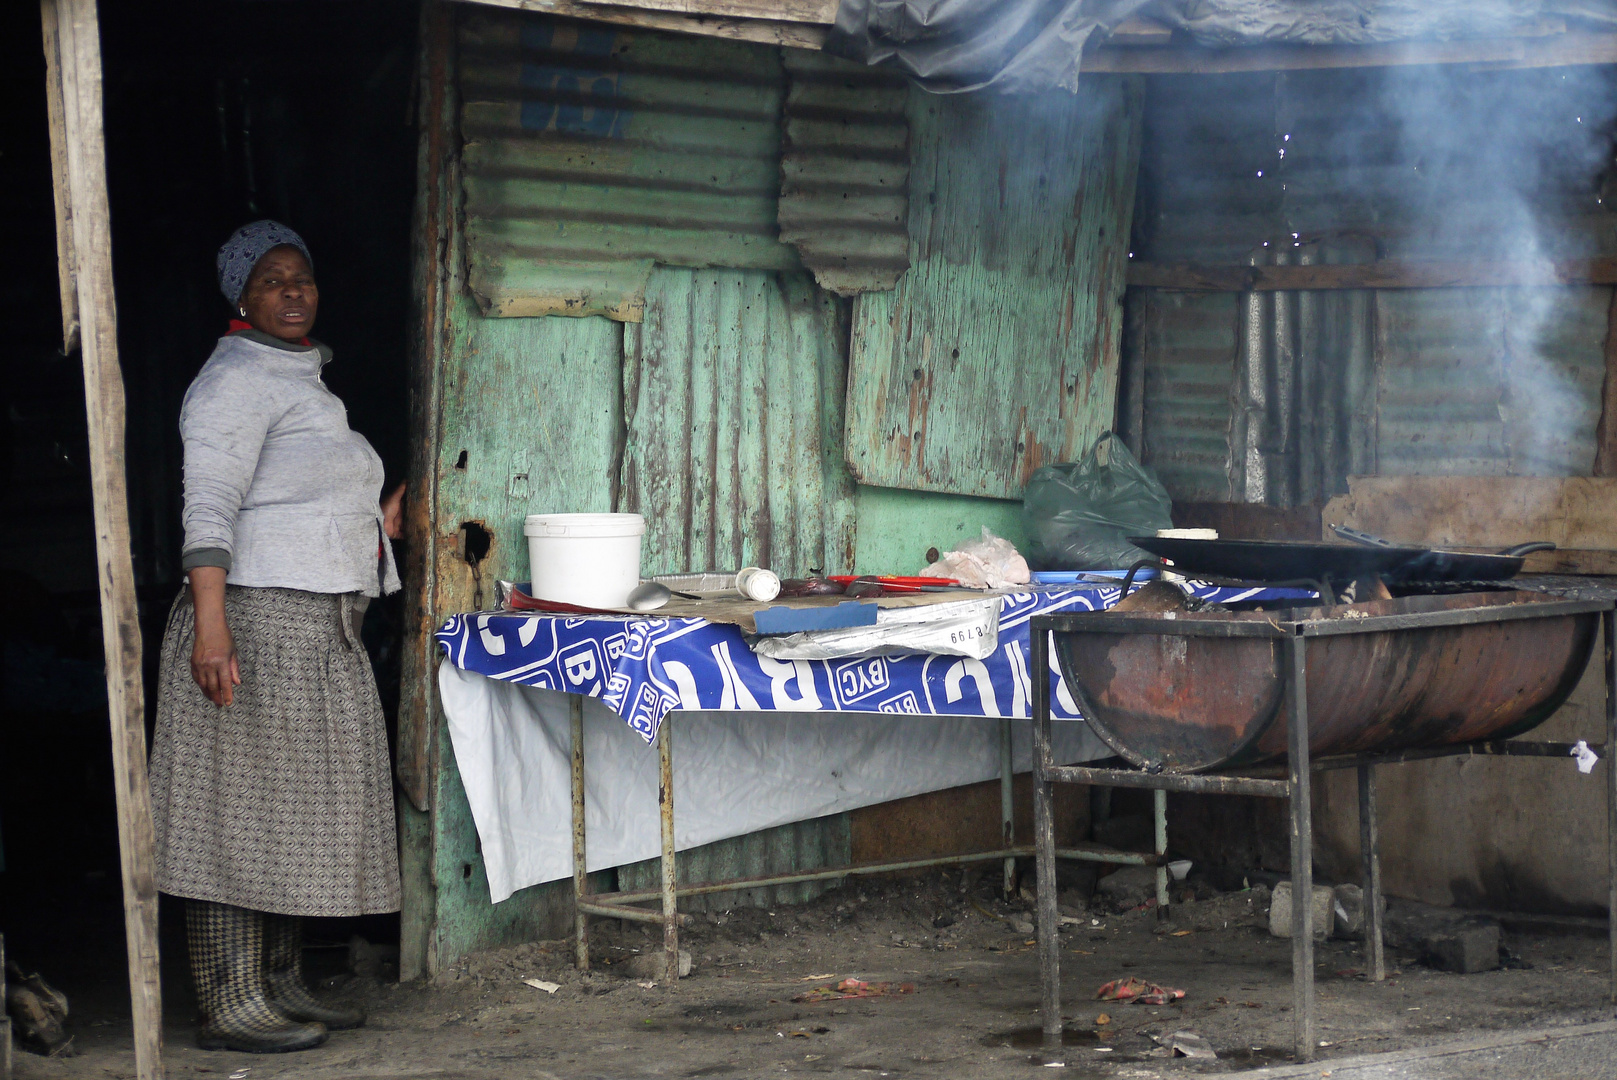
[271, 787]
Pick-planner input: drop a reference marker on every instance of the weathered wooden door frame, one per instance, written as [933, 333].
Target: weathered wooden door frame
[72, 41]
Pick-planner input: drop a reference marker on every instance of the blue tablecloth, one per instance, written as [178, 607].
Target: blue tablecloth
[643, 668]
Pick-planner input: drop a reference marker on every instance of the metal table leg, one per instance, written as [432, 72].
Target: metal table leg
[1375, 956]
[1044, 842]
[1159, 819]
[1302, 853]
[1608, 630]
[1007, 804]
[665, 805]
[581, 876]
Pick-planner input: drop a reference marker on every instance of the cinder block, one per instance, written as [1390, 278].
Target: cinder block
[1465, 950]
[1280, 911]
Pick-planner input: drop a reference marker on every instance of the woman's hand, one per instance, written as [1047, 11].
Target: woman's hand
[214, 664]
[393, 513]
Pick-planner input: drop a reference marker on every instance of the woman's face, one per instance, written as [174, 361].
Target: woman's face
[281, 297]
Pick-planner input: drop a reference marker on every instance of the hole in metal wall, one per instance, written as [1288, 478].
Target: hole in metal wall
[460, 462]
[475, 541]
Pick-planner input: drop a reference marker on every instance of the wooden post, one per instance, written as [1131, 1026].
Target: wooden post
[1047, 915]
[66, 262]
[1302, 847]
[1606, 430]
[73, 32]
[1370, 855]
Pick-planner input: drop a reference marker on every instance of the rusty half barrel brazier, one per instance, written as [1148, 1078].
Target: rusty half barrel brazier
[1196, 691]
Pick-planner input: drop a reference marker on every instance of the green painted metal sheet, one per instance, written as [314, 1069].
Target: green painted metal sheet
[465, 920]
[594, 152]
[998, 350]
[896, 527]
[844, 199]
[801, 845]
[530, 423]
[733, 391]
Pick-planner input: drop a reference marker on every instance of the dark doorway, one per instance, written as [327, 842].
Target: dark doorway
[217, 113]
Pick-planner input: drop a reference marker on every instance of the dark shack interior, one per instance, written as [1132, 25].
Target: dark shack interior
[217, 114]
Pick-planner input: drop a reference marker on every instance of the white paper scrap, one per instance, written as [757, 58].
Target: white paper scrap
[540, 984]
[1586, 757]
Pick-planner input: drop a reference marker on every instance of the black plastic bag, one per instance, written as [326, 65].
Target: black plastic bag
[1079, 516]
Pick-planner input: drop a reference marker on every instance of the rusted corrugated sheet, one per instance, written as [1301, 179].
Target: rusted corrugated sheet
[1491, 382]
[733, 390]
[592, 153]
[1348, 166]
[1184, 342]
[844, 199]
[997, 352]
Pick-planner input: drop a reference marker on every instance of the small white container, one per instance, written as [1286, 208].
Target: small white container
[592, 560]
[756, 583]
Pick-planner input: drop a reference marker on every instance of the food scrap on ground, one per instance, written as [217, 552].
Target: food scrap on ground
[1138, 991]
[855, 988]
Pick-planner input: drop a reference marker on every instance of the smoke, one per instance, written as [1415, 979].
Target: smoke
[1508, 167]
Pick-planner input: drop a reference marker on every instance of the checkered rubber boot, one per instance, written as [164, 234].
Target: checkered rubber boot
[227, 961]
[283, 978]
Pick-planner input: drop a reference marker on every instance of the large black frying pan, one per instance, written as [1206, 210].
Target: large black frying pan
[1285, 560]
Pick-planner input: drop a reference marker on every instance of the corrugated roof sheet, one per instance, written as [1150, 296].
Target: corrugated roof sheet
[593, 152]
[733, 391]
[844, 200]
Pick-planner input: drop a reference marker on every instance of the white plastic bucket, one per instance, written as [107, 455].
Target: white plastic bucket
[592, 560]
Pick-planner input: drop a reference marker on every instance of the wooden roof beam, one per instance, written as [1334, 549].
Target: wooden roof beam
[667, 15]
[1556, 50]
[1418, 274]
[1138, 46]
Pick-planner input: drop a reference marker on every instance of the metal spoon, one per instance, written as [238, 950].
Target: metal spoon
[651, 595]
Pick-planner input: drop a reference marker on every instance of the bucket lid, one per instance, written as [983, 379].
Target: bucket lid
[584, 525]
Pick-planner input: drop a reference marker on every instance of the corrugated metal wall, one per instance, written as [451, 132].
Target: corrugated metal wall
[590, 154]
[844, 201]
[733, 391]
[1184, 344]
[1376, 163]
[593, 152]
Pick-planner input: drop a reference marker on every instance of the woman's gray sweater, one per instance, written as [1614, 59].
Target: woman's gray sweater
[278, 489]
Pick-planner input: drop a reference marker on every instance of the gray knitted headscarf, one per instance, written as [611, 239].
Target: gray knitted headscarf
[246, 246]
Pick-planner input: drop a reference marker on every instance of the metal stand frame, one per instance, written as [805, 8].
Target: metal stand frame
[1295, 788]
[621, 904]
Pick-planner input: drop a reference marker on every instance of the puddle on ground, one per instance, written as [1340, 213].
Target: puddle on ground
[1070, 1072]
[1029, 1038]
[722, 1008]
[1256, 1056]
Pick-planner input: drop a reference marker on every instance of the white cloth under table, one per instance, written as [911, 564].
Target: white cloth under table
[734, 773]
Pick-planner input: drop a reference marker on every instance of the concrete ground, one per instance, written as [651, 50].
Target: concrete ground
[971, 1010]
[1585, 1050]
